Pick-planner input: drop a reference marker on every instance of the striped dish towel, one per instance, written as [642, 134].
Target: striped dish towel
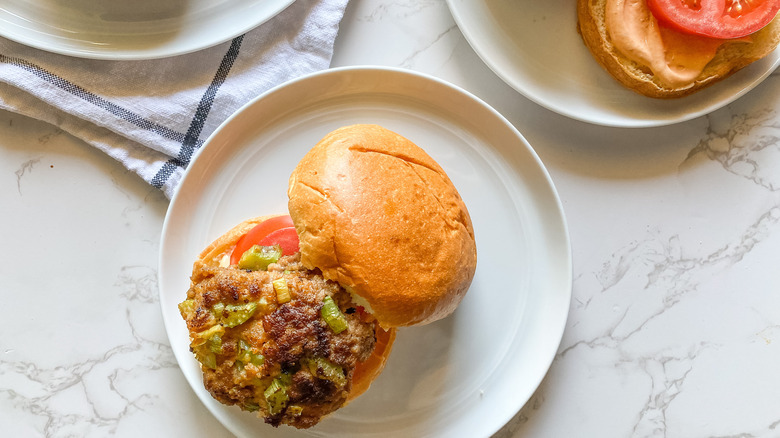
[153, 115]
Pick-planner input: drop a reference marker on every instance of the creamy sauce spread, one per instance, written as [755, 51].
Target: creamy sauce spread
[675, 59]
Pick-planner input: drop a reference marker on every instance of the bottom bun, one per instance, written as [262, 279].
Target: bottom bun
[278, 356]
[368, 370]
[731, 56]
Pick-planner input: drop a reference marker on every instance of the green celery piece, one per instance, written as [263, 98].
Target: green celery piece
[237, 314]
[217, 310]
[332, 315]
[187, 308]
[282, 291]
[203, 337]
[215, 343]
[257, 258]
[276, 394]
[246, 355]
[325, 369]
[206, 357]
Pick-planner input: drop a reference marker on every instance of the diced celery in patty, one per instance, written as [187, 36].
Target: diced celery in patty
[237, 314]
[325, 369]
[246, 355]
[187, 309]
[332, 315]
[276, 394]
[257, 258]
[282, 291]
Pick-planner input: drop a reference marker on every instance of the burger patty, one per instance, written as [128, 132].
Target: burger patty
[283, 360]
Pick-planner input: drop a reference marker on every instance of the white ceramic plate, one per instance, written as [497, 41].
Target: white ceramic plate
[535, 48]
[134, 29]
[466, 375]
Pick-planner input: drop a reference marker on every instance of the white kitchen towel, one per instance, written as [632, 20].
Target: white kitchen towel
[153, 115]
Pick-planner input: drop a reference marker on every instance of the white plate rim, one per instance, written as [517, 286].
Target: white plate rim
[751, 77]
[556, 329]
[190, 44]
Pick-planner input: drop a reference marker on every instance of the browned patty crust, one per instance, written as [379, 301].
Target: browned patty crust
[287, 344]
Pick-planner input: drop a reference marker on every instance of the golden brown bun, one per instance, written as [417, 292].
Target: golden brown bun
[378, 215]
[366, 371]
[730, 58]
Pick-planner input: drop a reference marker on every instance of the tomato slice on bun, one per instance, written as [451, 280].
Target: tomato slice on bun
[278, 230]
[722, 19]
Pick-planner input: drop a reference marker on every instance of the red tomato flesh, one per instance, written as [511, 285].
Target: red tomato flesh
[722, 19]
[287, 238]
[277, 230]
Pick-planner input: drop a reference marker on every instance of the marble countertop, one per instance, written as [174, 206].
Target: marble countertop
[674, 325]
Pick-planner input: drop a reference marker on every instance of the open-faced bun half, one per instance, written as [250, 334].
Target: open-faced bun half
[731, 56]
[378, 215]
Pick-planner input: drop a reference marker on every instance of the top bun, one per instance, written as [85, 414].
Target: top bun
[378, 215]
[732, 56]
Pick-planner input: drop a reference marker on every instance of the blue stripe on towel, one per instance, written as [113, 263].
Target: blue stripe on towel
[94, 99]
[191, 140]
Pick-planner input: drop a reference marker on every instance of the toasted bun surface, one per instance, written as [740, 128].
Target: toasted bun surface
[730, 57]
[366, 371]
[378, 215]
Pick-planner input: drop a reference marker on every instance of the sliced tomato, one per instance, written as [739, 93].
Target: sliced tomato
[276, 230]
[722, 19]
[287, 238]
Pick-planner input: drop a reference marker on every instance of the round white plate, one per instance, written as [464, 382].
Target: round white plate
[465, 375]
[134, 29]
[535, 48]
